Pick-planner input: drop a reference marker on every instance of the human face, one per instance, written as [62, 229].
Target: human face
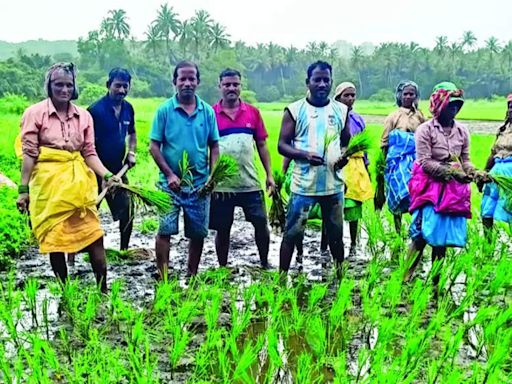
[408, 96]
[118, 89]
[62, 86]
[319, 84]
[348, 97]
[448, 114]
[186, 82]
[230, 87]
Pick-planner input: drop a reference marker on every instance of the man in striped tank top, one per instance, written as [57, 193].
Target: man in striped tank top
[313, 131]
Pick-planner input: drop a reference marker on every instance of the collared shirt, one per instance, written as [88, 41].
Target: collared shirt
[177, 132]
[237, 138]
[404, 119]
[312, 126]
[502, 147]
[110, 132]
[436, 148]
[41, 126]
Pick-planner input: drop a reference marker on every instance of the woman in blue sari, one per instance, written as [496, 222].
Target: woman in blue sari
[398, 145]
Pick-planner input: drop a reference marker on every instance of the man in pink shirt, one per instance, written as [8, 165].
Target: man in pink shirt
[241, 129]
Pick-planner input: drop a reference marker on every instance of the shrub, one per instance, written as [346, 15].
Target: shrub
[14, 231]
[90, 93]
[12, 103]
[249, 96]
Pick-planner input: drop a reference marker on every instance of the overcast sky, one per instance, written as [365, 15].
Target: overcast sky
[285, 22]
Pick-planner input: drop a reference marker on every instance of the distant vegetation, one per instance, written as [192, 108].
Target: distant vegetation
[272, 72]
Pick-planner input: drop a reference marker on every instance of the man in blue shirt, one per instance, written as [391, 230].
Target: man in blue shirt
[114, 121]
[184, 123]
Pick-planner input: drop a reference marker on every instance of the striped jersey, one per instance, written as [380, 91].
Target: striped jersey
[318, 130]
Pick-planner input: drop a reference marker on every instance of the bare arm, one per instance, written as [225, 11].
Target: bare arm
[96, 165]
[285, 147]
[214, 153]
[132, 145]
[173, 181]
[26, 169]
[286, 164]
[265, 160]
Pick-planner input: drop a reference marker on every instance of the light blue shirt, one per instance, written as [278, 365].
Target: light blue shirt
[176, 132]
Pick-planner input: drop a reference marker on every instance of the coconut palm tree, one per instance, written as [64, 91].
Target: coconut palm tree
[201, 26]
[219, 38]
[117, 23]
[468, 40]
[168, 26]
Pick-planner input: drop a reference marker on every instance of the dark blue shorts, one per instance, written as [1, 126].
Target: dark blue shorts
[223, 206]
[298, 212]
[195, 213]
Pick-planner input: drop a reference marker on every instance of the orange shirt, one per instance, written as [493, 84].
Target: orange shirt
[41, 126]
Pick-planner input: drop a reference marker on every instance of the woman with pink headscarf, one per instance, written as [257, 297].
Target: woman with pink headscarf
[494, 205]
[439, 186]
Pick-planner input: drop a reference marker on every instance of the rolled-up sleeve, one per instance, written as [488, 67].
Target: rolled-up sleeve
[88, 149]
[30, 126]
[423, 139]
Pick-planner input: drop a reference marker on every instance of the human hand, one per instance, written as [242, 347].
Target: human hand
[271, 185]
[130, 159]
[22, 202]
[341, 162]
[461, 177]
[173, 182]
[314, 159]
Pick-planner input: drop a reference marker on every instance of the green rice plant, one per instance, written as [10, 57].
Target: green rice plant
[187, 178]
[148, 226]
[225, 168]
[31, 288]
[329, 138]
[149, 199]
[277, 212]
[504, 184]
[359, 143]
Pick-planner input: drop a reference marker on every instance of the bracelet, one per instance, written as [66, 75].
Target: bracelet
[22, 189]
[107, 176]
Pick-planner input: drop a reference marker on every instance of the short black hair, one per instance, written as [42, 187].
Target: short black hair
[185, 64]
[322, 65]
[118, 73]
[229, 72]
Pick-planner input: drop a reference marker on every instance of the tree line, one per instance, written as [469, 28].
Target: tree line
[271, 72]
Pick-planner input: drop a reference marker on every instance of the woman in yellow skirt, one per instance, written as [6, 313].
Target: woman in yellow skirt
[58, 186]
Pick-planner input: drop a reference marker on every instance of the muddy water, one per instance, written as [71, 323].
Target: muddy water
[139, 285]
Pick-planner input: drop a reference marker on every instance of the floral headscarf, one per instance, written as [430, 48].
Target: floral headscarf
[444, 93]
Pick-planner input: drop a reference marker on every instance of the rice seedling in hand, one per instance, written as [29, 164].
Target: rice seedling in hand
[277, 212]
[359, 143]
[328, 139]
[149, 199]
[225, 168]
[186, 170]
[504, 184]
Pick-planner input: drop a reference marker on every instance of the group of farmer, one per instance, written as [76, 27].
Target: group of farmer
[70, 155]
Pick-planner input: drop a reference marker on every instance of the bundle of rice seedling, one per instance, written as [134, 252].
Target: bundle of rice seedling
[328, 139]
[504, 184]
[359, 143]
[225, 168]
[149, 199]
[186, 171]
[277, 212]
[380, 167]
